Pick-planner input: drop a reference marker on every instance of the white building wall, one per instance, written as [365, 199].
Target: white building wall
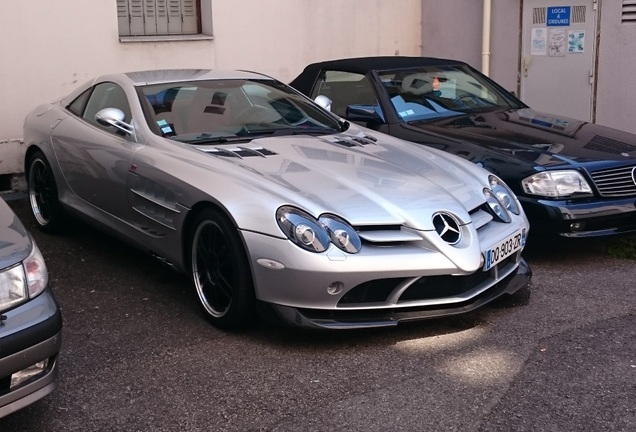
[453, 29]
[49, 47]
[616, 79]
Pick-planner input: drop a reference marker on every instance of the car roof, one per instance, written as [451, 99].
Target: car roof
[362, 65]
[164, 76]
[365, 64]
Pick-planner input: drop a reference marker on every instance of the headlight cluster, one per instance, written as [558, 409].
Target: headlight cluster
[556, 184]
[23, 281]
[501, 200]
[315, 235]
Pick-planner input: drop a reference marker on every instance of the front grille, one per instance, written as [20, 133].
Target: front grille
[425, 288]
[615, 182]
[375, 291]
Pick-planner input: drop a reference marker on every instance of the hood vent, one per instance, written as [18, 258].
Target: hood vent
[355, 141]
[609, 145]
[238, 152]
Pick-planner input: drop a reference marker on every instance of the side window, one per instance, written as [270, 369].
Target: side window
[106, 95]
[79, 104]
[344, 88]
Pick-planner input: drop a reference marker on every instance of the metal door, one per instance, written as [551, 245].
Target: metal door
[558, 56]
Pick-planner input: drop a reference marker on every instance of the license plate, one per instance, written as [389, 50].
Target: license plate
[505, 248]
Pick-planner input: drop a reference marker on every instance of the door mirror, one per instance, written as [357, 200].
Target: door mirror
[324, 102]
[113, 117]
[363, 113]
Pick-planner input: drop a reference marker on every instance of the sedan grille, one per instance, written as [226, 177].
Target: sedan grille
[616, 182]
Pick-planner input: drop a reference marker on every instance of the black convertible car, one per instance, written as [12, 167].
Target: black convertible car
[574, 178]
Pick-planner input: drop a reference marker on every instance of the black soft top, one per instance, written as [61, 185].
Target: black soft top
[363, 65]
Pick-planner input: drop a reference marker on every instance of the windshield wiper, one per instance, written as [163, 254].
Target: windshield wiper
[287, 131]
[206, 138]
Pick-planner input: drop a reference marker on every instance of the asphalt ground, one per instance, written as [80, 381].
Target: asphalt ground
[138, 355]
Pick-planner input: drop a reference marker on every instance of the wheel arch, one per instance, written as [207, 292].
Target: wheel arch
[188, 228]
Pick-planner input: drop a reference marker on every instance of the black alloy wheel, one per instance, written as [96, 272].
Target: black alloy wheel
[43, 197]
[220, 271]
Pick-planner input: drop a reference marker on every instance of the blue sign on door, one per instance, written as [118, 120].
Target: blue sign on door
[558, 16]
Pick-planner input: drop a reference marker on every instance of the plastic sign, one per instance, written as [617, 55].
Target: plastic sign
[558, 16]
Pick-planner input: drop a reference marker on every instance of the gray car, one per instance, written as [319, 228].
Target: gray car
[30, 319]
[273, 205]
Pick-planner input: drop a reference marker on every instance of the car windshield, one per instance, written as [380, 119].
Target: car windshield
[231, 109]
[433, 92]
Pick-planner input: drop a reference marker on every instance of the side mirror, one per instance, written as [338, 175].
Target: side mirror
[363, 113]
[324, 102]
[114, 117]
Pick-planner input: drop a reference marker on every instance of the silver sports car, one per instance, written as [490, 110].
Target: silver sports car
[273, 205]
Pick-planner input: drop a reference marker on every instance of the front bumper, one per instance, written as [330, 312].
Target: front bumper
[384, 284]
[387, 317]
[30, 335]
[589, 218]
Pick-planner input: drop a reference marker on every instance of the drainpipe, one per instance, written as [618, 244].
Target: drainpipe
[485, 40]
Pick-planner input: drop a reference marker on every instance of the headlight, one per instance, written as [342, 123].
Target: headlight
[23, 281]
[301, 228]
[341, 234]
[557, 184]
[315, 235]
[498, 209]
[505, 195]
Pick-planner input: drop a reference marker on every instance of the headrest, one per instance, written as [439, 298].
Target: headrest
[417, 84]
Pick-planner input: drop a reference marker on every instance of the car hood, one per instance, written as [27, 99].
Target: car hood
[368, 181]
[15, 243]
[538, 138]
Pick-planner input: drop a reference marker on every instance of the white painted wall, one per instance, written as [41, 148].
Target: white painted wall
[49, 47]
[616, 79]
[453, 29]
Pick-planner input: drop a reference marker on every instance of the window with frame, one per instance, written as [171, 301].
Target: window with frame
[344, 88]
[159, 17]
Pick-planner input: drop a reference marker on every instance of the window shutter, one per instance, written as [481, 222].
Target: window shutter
[189, 18]
[174, 16]
[136, 12]
[157, 17]
[122, 17]
[162, 17]
[150, 17]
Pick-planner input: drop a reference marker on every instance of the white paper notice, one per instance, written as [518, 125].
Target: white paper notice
[539, 38]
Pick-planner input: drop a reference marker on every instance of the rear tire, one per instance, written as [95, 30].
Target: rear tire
[220, 271]
[43, 195]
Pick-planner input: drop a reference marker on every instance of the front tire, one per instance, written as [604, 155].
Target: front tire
[220, 271]
[43, 195]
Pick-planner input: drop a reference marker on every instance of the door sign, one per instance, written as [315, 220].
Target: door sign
[558, 16]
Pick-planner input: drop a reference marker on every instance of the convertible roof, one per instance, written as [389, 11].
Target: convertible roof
[365, 64]
[362, 65]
